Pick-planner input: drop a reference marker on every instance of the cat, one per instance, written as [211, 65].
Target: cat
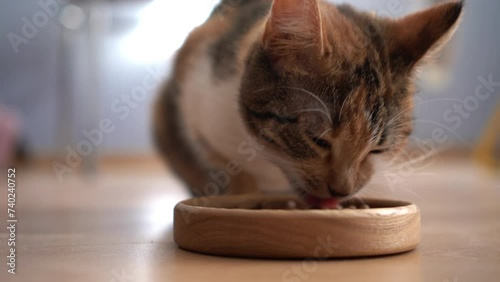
[299, 95]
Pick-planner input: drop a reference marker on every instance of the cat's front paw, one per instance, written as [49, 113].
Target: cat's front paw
[275, 204]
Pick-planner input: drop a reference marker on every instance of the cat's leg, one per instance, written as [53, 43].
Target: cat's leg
[199, 170]
[242, 183]
[171, 141]
[231, 178]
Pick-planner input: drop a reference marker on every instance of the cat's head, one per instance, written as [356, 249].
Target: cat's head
[329, 88]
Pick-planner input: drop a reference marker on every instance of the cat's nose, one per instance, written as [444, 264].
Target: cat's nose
[340, 183]
[338, 193]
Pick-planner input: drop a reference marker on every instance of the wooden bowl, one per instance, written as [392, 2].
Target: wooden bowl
[219, 226]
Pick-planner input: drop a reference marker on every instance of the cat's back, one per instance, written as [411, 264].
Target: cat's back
[222, 37]
[197, 118]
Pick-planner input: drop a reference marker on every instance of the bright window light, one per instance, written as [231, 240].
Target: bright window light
[163, 27]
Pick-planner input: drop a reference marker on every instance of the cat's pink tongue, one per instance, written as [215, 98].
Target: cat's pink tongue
[322, 203]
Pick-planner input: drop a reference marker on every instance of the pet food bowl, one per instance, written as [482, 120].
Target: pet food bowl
[241, 226]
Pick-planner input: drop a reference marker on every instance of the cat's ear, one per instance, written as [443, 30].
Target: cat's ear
[294, 26]
[414, 37]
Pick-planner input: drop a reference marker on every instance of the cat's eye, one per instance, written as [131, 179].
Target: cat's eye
[378, 152]
[266, 116]
[322, 143]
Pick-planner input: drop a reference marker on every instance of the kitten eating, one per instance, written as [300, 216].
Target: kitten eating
[296, 95]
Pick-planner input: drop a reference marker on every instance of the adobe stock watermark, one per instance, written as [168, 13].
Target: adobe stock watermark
[121, 108]
[452, 119]
[302, 271]
[461, 111]
[31, 26]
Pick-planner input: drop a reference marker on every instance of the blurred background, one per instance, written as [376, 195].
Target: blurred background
[69, 65]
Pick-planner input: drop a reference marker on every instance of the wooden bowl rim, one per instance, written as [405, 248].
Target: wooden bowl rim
[395, 208]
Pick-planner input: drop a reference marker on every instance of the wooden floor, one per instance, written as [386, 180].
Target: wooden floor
[117, 227]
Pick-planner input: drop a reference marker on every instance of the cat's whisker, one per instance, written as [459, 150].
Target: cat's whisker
[315, 97]
[278, 160]
[323, 134]
[395, 118]
[263, 89]
[342, 108]
[390, 172]
[415, 160]
[316, 110]
[401, 125]
[390, 162]
[376, 189]
[384, 179]
[326, 112]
